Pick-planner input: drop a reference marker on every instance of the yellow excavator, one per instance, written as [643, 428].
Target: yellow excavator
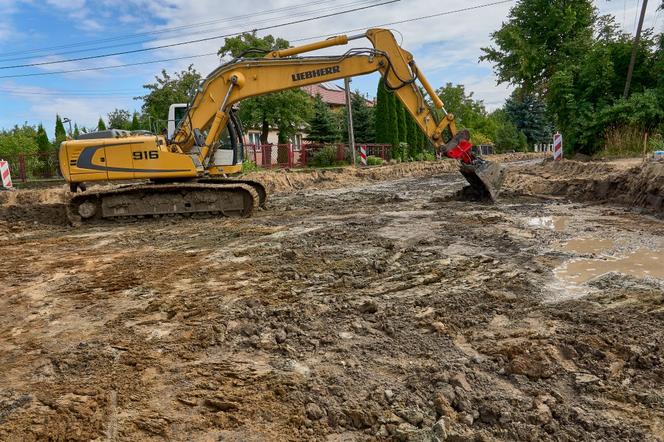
[191, 172]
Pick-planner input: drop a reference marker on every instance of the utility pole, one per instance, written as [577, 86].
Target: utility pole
[349, 107]
[635, 47]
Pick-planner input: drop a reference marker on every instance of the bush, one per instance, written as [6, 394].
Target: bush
[249, 166]
[374, 161]
[325, 157]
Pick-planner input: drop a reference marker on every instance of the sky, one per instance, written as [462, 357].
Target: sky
[446, 48]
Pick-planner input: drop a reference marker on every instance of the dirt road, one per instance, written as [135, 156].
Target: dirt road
[381, 310]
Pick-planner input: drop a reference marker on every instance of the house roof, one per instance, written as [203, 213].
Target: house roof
[331, 93]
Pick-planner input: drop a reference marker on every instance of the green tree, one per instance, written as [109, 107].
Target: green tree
[403, 122]
[60, 133]
[363, 120]
[119, 119]
[539, 38]
[286, 110]
[135, 122]
[166, 90]
[76, 131]
[414, 144]
[528, 113]
[382, 114]
[469, 112]
[101, 125]
[323, 125]
[43, 145]
[507, 137]
[393, 124]
[19, 139]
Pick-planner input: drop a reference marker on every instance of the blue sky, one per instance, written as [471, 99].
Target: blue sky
[446, 48]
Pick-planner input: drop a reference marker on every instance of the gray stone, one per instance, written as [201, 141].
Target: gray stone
[314, 412]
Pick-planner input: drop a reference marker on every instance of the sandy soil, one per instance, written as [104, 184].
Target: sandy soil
[362, 308]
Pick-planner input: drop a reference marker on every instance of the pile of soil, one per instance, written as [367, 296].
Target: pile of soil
[42, 206]
[638, 186]
[288, 180]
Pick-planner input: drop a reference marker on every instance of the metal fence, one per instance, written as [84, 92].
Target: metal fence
[34, 166]
[269, 156]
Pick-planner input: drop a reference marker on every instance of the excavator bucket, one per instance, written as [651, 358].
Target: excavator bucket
[485, 178]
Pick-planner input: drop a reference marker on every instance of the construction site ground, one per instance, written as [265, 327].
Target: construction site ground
[372, 305]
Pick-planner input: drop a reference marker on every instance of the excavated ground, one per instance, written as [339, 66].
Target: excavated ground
[357, 308]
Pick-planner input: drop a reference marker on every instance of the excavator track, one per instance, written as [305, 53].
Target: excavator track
[156, 200]
[258, 187]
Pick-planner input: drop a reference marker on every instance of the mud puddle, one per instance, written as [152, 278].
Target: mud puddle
[642, 263]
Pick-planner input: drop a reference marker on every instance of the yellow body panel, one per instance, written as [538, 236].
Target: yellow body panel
[124, 158]
[225, 170]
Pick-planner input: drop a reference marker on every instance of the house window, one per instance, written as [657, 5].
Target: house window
[296, 141]
[255, 139]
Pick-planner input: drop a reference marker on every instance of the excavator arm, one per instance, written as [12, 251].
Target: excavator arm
[279, 70]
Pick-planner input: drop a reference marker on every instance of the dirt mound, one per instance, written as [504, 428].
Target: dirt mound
[43, 206]
[639, 186]
[288, 180]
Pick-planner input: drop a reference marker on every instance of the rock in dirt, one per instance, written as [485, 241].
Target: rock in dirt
[314, 412]
[459, 380]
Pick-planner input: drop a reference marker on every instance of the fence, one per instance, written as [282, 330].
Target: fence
[291, 156]
[33, 166]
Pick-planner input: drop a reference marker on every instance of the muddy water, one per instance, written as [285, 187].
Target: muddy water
[556, 223]
[641, 263]
[588, 245]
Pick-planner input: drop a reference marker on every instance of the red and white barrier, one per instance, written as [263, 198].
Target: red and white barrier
[363, 155]
[557, 146]
[5, 174]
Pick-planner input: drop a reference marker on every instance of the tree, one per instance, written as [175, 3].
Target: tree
[507, 137]
[403, 123]
[135, 123]
[44, 147]
[60, 133]
[166, 90]
[286, 110]
[119, 119]
[19, 139]
[363, 120]
[323, 126]
[539, 38]
[414, 144]
[101, 125]
[528, 113]
[381, 114]
[393, 123]
[76, 131]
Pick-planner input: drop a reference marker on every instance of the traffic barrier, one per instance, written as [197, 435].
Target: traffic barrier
[6, 175]
[557, 146]
[363, 155]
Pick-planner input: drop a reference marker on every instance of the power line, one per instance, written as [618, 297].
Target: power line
[216, 37]
[425, 17]
[440, 14]
[100, 68]
[163, 30]
[188, 34]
